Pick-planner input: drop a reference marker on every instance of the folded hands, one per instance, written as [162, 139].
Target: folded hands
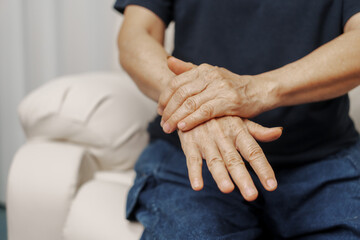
[209, 106]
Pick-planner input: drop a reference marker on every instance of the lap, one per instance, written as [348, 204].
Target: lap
[315, 201]
[319, 200]
[169, 209]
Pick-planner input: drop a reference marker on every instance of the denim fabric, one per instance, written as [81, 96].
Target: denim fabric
[317, 200]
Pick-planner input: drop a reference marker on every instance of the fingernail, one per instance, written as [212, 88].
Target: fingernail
[160, 111]
[162, 123]
[250, 192]
[166, 128]
[225, 184]
[271, 183]
[181, 125]
[196, 183]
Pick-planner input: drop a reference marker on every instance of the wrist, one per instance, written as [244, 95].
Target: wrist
[263, 90]
[164, 81]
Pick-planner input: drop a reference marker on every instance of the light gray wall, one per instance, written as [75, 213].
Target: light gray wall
[12, 84]
[42, 39]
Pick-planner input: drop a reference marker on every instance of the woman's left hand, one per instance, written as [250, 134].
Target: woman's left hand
[225, 143]
[200, 93]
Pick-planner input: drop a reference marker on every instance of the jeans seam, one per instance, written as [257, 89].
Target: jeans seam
[354, 163]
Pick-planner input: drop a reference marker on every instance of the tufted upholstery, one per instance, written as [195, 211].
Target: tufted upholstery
[109, 117]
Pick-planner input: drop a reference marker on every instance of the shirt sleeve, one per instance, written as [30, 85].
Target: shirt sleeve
[162, 8]
[350, 8]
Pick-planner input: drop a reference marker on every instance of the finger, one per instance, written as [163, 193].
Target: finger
[194, 164]
[182, 97]
[175, 83]
[261, 133]
[178, 66]
[253, 153]
[237, 169]
[199, 106]
[206, 111]
[217, 167]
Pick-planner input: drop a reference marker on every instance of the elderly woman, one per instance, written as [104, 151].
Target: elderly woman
[287, 65]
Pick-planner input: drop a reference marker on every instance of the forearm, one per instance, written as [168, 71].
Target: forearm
[144, 58]
[207, 92]
[330, 71]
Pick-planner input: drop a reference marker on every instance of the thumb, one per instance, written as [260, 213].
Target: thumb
[178, 66]
[263, 134]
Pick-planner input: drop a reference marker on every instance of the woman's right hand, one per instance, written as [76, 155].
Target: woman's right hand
[224, 143]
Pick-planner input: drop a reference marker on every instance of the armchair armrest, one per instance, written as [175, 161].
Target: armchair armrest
[43, 180]
[103, 111]
[98, 211]
[75, 125]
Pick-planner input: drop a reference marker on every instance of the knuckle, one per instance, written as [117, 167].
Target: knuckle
[233, 161]
[222, 85]
[180, 94]
[194, 160]
[207, 110]
[195, 73]
[240, 132]
[226, 85]
[214, 74]
[173, 84]
[255, 153]
[204, 66]
[214, 161]
[222, 69]
[190, 104]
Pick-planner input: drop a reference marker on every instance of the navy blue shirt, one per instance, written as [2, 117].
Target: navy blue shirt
[254, 36]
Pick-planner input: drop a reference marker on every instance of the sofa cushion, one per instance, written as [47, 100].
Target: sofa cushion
[355, 106]
[104, 112]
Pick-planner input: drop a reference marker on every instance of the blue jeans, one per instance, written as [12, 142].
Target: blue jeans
[317, 200]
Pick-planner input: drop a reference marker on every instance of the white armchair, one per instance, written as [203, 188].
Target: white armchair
[70, 180]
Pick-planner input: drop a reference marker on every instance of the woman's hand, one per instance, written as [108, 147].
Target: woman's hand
[200, 93]
[218, 142]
